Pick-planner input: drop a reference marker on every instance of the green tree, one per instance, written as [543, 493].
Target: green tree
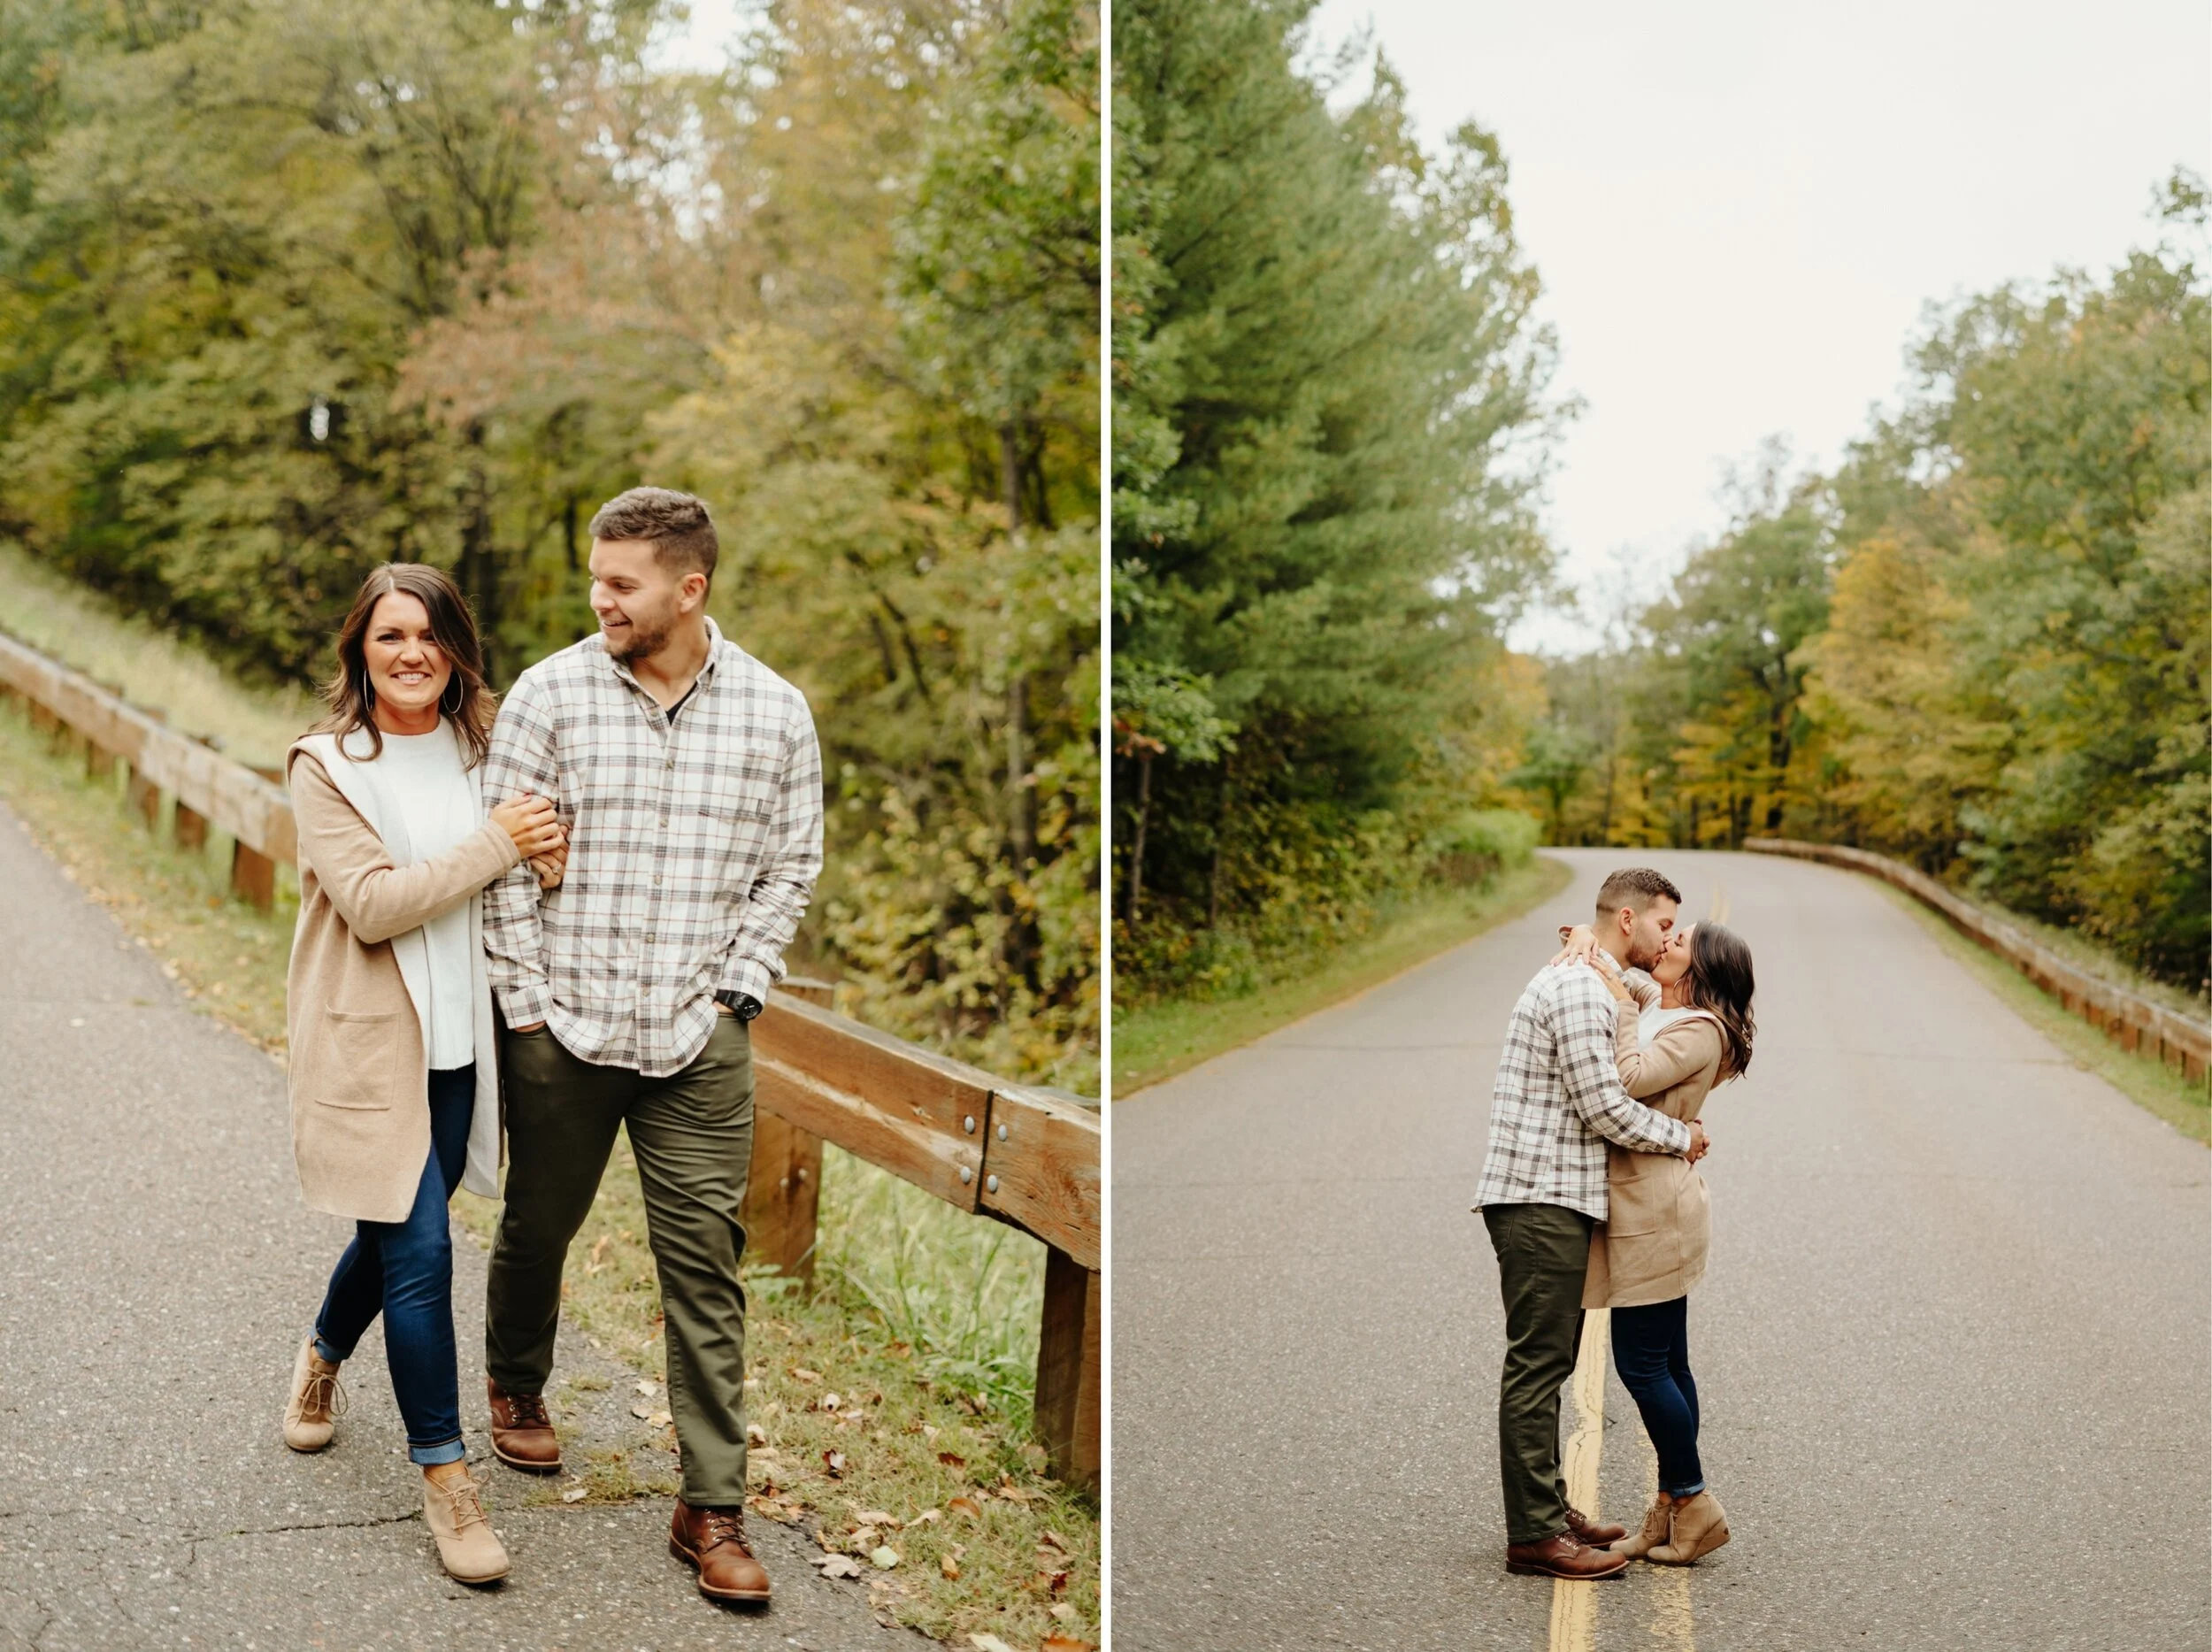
[1322, 352]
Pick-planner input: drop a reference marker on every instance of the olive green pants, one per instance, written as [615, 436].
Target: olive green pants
[692, 1134]
[1543, 1252]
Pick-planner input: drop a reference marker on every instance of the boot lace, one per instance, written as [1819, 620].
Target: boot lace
[466, 1503]
[722, 1526]
[527, 1410]
[322, 1397]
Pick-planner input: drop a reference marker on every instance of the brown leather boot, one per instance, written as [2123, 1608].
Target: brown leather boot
[1563, 1556]
[1596, 1533]
[317, 1401]
[1699, 1527]
[522, 1433]
[713, 1539]
[1657, 1520]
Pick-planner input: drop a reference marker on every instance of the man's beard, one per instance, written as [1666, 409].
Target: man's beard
[1643, 959]
[642, 643]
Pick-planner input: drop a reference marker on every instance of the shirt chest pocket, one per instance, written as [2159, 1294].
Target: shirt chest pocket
[734, 824]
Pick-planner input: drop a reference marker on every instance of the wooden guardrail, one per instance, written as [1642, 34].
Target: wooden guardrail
[209, 787]
[2130, 1019]
[980, 1143]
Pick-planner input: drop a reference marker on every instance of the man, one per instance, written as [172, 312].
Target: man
[1557, 1101]
[687, 776]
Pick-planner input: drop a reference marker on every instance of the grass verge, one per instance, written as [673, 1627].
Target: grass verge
[2151, 1085]
[910, 1358]
[1158, 1040]
[81, 628]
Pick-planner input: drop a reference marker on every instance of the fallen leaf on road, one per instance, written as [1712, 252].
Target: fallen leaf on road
[645, 1389]
[641, 1409]
[756, 1435]
[804, 1375]
[840, 1566]
[967, 1506]
[952, 1459]
[949, 1567]
[575, 1493]
[884, 1556]
[1056, 1541]
[660, 1419]
[876, 1516]
[1064, 1643]
[834, 1461]
[988, 1643]
[923, 1518]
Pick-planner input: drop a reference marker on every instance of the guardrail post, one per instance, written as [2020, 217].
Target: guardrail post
[1068, 1420]
[253, 876]
[191, 826]
[99, 761]
[783, 1191]
[145, 798]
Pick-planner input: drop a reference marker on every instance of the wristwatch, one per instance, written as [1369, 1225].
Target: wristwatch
[743, 1005]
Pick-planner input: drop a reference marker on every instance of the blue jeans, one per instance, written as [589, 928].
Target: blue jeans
[404, 1269]
[1651, 1350]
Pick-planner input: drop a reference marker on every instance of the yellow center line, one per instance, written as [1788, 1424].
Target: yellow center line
[1574, 1606]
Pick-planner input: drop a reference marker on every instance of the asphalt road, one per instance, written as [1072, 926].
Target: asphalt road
[157, 1270]
[1952, 1347]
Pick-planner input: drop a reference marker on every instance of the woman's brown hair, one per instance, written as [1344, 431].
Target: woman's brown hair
[1720, 981]
[467, 703]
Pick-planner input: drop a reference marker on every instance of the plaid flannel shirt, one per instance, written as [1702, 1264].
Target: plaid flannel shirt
[692, 852]
[1558, 1100]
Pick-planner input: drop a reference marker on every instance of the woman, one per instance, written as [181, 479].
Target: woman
[1685, 1029]
[393, 1091]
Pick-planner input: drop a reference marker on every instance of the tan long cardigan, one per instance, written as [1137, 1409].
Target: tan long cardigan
[1651, 1247]
[360, 1080]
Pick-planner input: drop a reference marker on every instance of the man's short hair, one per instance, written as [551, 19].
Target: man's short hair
[1635, 887]
[676, 525]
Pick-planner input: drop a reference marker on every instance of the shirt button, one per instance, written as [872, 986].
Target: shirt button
[663, 819]
[656, 880]
[669, 763]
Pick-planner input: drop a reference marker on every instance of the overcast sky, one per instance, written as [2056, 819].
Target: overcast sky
[1740, 209]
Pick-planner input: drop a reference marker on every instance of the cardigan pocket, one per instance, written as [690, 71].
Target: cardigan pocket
[361, 1072]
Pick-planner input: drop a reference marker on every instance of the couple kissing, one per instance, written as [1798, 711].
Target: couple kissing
[1593, 1200]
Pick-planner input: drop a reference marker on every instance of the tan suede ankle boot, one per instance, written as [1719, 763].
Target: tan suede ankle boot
[467, 1547]
[1657, 1518]
[317, 1401]
[1699, 1527]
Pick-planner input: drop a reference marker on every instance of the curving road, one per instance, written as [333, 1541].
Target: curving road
[1952, 1348]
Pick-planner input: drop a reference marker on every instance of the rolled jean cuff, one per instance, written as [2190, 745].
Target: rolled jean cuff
[1678, 1492]
[429, 1457]
[325, 1351]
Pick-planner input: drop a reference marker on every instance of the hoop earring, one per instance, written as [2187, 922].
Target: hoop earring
[455, 709]
[368, 693]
